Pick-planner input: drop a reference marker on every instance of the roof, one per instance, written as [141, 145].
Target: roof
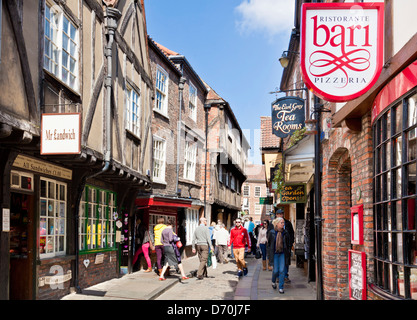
[255, 172]
[268, 139]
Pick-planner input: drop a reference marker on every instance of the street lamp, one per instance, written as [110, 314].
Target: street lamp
[284, 60]
[314, 128]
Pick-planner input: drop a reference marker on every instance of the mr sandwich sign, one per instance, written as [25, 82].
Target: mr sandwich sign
[341, 48]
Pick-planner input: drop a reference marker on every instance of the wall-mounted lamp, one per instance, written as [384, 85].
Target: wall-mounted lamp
[311, 126]
[284, 60]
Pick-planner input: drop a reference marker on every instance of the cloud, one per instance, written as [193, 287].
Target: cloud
[272, 17]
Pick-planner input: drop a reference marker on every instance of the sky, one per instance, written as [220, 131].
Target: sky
[234, 46]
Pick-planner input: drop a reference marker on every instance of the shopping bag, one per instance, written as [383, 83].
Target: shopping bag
[214, 260]
[209, 262]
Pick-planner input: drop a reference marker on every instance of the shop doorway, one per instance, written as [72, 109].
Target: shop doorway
[21, 246]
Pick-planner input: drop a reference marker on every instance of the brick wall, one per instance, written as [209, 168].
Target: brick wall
[96, 273]
[54, 291]
[347, 167]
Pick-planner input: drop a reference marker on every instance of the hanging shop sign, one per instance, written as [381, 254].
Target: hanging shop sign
[341, 48]
[287, 116]
[266, 200]
[357, 275]
[293, 193]
[61, 133]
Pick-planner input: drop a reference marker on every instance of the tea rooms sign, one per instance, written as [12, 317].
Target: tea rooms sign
[341, 48]
[288, 115]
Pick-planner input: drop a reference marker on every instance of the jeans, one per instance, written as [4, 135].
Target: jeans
[263, 250]
[145, 249]
[159, 256]
[279, 269]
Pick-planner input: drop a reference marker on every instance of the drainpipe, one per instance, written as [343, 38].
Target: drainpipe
[180, 98]
[113, 15]
[317, 192]
[207, 109]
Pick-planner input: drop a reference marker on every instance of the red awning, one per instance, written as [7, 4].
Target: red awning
[163, 202]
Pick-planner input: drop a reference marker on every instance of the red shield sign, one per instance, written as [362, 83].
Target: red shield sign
[341, 48]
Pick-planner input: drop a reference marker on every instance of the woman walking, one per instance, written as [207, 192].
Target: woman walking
[142, 243]
[279, 240]
[262, 241]
[159, 247]
[171, 258]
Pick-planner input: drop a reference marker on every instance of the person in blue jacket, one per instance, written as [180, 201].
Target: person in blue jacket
[279, 240]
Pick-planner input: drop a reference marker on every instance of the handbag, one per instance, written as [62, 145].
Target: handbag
[258, 253]
[177, 241]
[209, 262]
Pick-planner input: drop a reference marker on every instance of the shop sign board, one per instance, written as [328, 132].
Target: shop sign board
[293, 193]
[357, 275]
[266, 200]
[42, 167]
[288, 115]
[61, 133]
[341, 48]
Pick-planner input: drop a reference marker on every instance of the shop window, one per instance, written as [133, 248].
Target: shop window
[395, 198]
[191, 223]
[96, 229]
[153, 221]
[53, 217]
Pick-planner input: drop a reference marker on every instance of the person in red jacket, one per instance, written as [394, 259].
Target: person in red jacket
[239, 238]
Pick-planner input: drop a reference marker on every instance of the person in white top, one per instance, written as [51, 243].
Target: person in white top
[262, 241]
[221, 238]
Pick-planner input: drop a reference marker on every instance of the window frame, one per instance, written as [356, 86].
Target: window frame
[395, 238]
[192, 101]
[161, 105]
[160, 178]
[133, 125]
[55, 201]
[190, 160]
[89, 240]
[256, 191]
[57, 26]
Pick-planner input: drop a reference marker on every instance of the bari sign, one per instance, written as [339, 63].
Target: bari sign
[341, 48]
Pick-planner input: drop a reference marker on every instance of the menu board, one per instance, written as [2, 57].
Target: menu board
[357, 275]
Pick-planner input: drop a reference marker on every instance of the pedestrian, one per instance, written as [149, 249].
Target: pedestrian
[280, 250]
[268, 245]
[221, 238]
[250, 226]
[202, 244]
[213, 230]
[159, 247]
[171, 256]
[142, 243]
[239, 238]
[288, 226]
[262, 241]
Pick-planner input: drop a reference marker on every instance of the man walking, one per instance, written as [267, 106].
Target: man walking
[239, 239]
[221, 238]
[202, 241]
[287, 226]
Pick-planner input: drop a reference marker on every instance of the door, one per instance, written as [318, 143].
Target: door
[21, 246]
